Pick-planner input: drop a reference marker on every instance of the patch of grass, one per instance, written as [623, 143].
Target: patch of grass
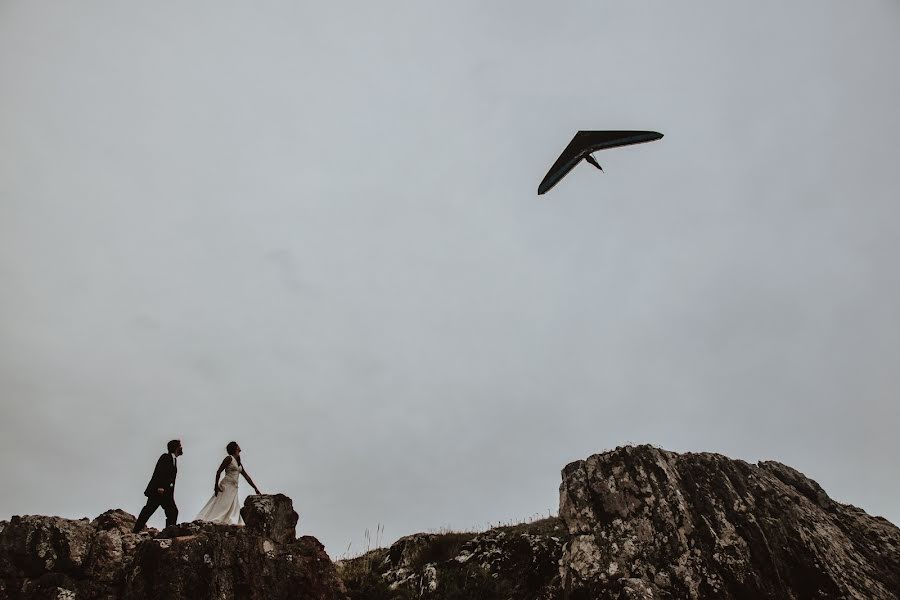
[549, 526]
[441, 549]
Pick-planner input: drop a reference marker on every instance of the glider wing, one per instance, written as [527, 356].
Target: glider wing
[586, 142]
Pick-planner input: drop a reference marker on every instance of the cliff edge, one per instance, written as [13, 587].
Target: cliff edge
[51, 558]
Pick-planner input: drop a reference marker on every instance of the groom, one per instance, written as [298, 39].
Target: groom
[161, 489]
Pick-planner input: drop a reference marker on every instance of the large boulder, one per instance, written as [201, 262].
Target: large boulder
[31, 546]
[271, 516]
[646, 523]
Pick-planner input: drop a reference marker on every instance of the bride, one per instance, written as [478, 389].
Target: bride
[223, 507]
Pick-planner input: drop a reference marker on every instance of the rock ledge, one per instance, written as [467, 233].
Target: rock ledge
[64, 559]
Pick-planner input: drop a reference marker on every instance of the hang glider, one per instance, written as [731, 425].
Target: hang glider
[584, 144]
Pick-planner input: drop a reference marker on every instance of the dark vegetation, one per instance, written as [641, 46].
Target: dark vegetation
[503, 565]
[440, 549]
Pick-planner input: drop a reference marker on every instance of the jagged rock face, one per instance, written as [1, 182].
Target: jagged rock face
[646, 523]
[516, 562]
[52, 557]
[526, 561]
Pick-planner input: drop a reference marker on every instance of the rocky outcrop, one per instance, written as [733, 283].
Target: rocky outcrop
[62, 559]
[639, 523]
[515, 562]
[636, 523]
[52, 557]
[646, 523]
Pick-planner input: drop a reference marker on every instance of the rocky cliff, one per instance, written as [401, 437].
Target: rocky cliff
[643, 523]
[634, 523]
[646, 523]
[62, 559]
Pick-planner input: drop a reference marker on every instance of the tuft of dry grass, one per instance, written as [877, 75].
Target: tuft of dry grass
[442, 548]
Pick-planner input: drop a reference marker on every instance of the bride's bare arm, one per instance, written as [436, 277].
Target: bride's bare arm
[250, 481]
[216, 488]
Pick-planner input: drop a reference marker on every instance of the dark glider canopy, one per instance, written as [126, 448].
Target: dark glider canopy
[586, 142]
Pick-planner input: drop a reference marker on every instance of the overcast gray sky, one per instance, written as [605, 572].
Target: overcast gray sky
[314, 229]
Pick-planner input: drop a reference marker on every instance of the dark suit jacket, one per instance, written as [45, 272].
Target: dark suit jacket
[163, 477]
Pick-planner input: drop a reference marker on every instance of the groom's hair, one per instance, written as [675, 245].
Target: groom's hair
[172, 445]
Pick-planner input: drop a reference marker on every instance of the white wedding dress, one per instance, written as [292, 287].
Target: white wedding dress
[224, 506]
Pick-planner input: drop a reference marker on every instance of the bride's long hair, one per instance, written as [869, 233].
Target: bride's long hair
[231, 448]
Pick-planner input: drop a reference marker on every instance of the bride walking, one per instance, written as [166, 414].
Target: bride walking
[224, 507]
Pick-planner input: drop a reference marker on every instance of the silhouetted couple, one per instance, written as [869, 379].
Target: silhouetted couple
[223, 506]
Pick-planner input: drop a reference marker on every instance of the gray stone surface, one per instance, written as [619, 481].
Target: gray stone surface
[649, 523]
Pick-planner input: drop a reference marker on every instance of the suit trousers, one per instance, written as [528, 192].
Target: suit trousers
[154, 501]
